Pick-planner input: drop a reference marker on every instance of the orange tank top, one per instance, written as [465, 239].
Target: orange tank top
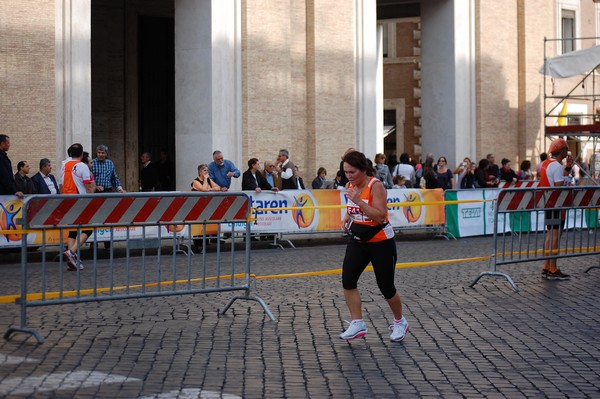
[69, 186]
[544, 181]
[359, 217]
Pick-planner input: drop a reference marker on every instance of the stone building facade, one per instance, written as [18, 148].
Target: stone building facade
[249, 77]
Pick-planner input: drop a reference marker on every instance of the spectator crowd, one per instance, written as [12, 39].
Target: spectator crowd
[280, 174]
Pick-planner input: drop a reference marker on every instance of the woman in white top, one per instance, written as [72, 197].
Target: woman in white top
[404, 168]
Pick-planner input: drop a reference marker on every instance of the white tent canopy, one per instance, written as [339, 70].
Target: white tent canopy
[573, 63]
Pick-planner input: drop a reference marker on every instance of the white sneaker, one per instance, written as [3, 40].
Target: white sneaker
[72, 260]
[399, 330]
[357, 329]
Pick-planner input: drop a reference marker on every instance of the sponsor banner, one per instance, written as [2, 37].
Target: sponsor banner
[270, 218]
[413, 214]
[473, 218]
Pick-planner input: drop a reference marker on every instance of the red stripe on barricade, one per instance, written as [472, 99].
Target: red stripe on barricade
[60, 212]
[201, 204]
[586, 199]
[90, 210]
[222, 208]
[553, 200]
[515, 201]
[119, 211]
[175, 206]
[243, 212]
[149, 206]
[34, 207]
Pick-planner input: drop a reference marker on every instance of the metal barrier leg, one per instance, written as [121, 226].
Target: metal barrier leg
[275, 243]
[250, 298]
[492, 273]
[592, 267]
[26, 330]
[495, 273]
[23, 300]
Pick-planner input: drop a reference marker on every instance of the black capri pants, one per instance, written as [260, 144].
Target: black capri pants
[382, 255]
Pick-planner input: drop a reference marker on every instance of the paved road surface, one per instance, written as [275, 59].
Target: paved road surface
[484, 342]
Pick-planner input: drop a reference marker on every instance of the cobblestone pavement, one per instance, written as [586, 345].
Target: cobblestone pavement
[486, 341]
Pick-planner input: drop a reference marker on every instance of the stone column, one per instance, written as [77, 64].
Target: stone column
[207, 85]
[73, 75]
[369, 80]
[448, 83]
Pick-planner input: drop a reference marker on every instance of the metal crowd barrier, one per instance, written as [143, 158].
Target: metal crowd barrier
[161, 217]
[520, 231]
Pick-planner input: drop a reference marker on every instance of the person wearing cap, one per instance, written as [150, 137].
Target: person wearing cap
[105, 173]
[553, 174]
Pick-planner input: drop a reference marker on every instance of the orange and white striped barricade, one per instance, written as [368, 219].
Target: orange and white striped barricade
[520, 231]
[155, 218]
[519, 184]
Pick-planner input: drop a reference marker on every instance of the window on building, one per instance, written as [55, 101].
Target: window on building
[568, 30]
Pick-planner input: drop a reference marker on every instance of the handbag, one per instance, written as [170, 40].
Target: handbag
[362, 232]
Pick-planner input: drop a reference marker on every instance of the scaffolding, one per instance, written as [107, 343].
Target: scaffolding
[572, 108]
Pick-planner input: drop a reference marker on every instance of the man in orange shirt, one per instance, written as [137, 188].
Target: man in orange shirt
[76, 178]
[552, 174]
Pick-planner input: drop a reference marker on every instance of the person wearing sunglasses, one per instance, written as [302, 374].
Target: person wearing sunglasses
[444, 175]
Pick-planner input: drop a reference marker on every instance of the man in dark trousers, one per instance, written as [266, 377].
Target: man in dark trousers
[7, 179]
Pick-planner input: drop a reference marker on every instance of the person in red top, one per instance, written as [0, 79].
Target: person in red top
[373, 243]
[552, 174]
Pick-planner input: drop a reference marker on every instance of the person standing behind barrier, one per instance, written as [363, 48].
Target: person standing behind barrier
[166, 172]
[252, 179]
[444, 175]
[469, 179]
[105, 173]
[270, 174]
[493, 169]
[222, 170]
[524, 173]
[287, 171]
[404, 168]
[553, 174]
[382, 171]
[543, 157]
[7, 179]
[482, 177]
[203, 182]
[44, 181]
[77, 179]
[367, 207]
[429, 180]
[320, 181]
[23, 182]
[506, 173]
[148, 173]
[461, 170]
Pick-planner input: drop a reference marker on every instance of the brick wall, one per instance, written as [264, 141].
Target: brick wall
[298, 82]
[27, 95]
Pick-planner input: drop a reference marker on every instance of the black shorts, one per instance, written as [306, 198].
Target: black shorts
[382, 255]
[554, 219]
[73, 234]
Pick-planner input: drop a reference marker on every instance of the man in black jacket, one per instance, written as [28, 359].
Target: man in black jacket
[7, 179]
[23, 182]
